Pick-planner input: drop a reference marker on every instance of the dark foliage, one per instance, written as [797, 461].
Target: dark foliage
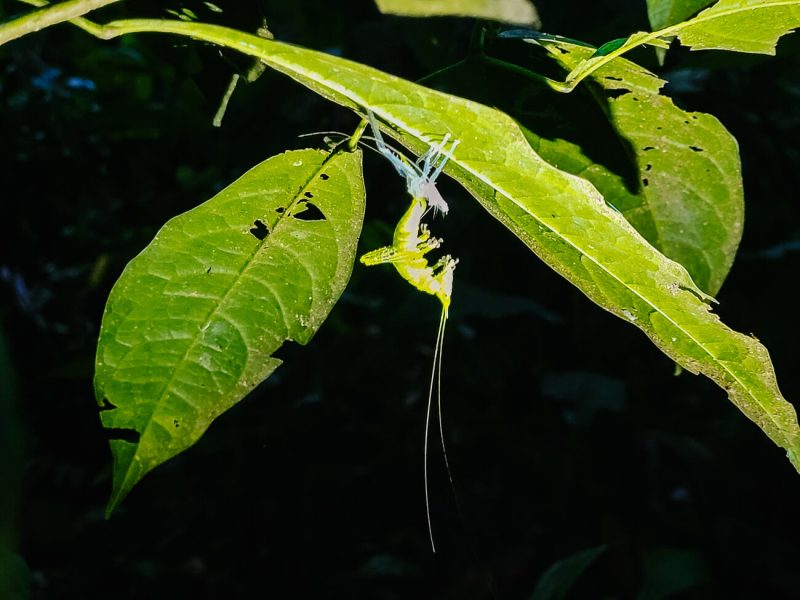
[566, 428]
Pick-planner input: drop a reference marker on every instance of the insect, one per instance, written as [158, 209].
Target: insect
[412, 240]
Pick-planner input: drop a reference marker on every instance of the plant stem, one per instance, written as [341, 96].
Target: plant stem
[71, 10]
[356, 137]
[507, 66]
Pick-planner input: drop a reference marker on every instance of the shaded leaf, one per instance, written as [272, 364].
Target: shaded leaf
[690, 202]
[663, 13]
[191, 325]
[670, 571]
[521, 12]
[557, 581]
[560, 217]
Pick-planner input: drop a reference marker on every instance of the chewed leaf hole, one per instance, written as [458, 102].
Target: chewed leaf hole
[308, 195]
[123, 433]
[646, 148]
[696, 148]
[645, 183]
[616, 93]
[259, 230]
[106, 405]
[324, 177]
[308, 212]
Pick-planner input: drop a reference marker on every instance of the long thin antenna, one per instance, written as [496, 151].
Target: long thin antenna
[435, 370]
[443, 320]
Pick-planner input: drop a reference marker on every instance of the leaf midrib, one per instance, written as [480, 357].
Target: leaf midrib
[212, 313]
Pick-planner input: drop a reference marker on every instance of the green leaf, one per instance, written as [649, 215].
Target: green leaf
[690, 202]
[663, 13]
[521, 12]
[191, 325]
[559, 216]
[557, 581]
[739, 25]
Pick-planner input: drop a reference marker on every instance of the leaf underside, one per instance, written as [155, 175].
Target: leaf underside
[191, 325]
[521, 12]
[559, 216]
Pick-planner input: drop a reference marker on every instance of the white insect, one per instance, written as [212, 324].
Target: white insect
[420, 176]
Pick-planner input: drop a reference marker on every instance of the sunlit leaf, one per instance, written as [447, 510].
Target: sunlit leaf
[191, 326]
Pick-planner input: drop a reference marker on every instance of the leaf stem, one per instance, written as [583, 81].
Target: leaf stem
[71, 10]
[507, 66]
[356, 137]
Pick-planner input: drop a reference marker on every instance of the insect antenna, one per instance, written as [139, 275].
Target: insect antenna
[436, 377]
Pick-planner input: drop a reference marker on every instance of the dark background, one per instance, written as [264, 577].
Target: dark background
[566, 428]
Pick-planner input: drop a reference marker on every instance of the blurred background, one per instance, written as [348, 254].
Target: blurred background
[569, 437]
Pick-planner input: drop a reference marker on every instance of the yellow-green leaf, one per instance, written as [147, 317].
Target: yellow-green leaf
[192, 323]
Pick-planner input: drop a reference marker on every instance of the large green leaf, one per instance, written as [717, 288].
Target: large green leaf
[192, 323]
[663, 13]
[689, 203]
[739, 25]
[521, 12]
[559, 216]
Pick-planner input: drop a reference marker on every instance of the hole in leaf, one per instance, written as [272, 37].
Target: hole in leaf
[616, 93]
[324, 177]
[648, 166]
[613, 78]
[696, 148]
[308, 195]
[280, 210]
[105, 405]
[645, 183]
[208, 270]
[308, 212]
[646, 148]
[176, 423]
[122, 433]
[259, 230]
